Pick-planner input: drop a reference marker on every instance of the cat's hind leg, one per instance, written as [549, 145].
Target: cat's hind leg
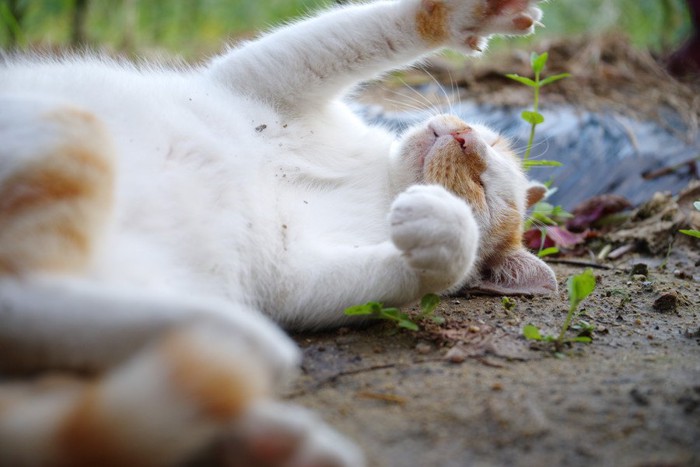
[196, 387]
[56, 181]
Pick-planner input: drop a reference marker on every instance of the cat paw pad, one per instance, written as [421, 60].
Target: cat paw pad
[511, 16]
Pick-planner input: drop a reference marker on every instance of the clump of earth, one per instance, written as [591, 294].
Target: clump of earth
[473, 391]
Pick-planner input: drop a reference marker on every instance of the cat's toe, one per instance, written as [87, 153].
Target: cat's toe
[272, 434]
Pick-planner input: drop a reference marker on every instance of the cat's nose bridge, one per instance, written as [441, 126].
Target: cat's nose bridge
[444, 125]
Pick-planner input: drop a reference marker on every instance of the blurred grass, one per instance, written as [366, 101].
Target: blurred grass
[193, 28]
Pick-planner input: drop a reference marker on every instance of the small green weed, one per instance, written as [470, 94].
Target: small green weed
[579, 287]
[534, 117]
[543, 214]
[508, 303]
[428, 304]
[693, 233]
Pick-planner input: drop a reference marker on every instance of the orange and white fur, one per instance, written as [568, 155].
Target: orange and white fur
[155, 222]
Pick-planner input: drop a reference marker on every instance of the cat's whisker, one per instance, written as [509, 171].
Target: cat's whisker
[431, 105]
[406, 105]
[417, 104]
[440, 87]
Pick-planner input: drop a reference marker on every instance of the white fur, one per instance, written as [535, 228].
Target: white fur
[244, 186]
[275, 218]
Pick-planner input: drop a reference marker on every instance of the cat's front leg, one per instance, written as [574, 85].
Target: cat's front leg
[303, 65]
[437, 234]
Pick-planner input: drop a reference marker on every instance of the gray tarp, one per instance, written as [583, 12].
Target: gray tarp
[601, 152]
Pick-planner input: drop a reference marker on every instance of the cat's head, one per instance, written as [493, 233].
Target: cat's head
[480, 166]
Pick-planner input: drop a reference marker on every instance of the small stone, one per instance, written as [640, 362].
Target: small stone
[474, 329]
[455, 355]
[640, 269]
[667, 303]
[423, 348]
[639, 278]
[497, 387]
[639, 398]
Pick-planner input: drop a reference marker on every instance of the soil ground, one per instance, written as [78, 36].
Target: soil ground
[473, 391]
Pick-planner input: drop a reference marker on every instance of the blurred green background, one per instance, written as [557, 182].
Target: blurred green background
[193, 28]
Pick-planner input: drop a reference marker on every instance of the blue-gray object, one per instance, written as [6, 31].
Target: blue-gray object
[601, 152]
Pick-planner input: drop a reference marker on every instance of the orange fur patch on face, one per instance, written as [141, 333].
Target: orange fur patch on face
[85, 438]
[217, 388]
[460, 173]
[508, 230]
[432, 21]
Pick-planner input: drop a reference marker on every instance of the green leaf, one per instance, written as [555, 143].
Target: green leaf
[522, 80]
[366, 309]
[408, 324]
[541, 163]
[692, 233]
[580, 286]
[538, 61]
[554, 78]
[508, 303]
[531, 332]
[534, 118]
[548, 251]
[391, 313]
[584, 339]
[438, 319]
[428, 303]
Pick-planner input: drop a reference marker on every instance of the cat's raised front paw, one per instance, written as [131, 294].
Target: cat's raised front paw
[466, 23]
[437, 233]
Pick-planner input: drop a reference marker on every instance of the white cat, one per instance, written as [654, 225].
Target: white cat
[137, 202]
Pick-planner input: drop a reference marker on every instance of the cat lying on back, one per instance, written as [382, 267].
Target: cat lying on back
[151, 218]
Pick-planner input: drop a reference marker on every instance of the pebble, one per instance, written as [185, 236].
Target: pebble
[640, 269]
[667, 303]
[423, 348]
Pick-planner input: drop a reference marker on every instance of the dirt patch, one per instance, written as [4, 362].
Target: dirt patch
[474, 392]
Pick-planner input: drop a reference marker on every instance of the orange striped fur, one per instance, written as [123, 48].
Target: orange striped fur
[51, 209]
[196, 379]
[432, 21]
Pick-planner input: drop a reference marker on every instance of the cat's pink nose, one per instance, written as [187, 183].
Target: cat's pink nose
[460, 135]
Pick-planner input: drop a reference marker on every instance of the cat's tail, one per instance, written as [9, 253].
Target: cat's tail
[56, 185]
[158, 408]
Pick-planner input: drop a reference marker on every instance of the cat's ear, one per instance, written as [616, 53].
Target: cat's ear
[535, 193]
[520, 273]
